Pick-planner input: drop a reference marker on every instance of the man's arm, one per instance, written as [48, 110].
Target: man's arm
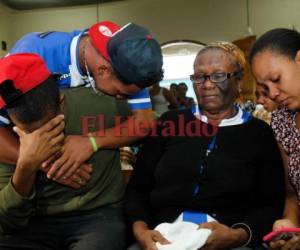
[78, 149]
[17, 182]
[134, 128]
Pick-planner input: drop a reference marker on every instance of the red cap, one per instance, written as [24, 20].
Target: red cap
[25, 70]
[100, 34]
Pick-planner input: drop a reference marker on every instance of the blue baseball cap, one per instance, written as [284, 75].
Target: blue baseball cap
[135, 55]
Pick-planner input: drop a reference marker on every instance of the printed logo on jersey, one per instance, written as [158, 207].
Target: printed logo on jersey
[64, 76]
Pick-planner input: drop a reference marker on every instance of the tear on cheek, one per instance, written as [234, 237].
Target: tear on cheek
[223, 87]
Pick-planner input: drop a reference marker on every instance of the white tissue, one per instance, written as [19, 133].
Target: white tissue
[182, 235]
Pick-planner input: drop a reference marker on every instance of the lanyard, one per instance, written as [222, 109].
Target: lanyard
[211, 146]
[209, 149]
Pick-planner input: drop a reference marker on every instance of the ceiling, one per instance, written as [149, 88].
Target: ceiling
[34, 4]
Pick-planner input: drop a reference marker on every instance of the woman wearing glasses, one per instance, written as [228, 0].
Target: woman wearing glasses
[235, 175]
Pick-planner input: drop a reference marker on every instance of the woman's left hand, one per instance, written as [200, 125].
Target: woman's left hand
[223, 237]
[291, 244]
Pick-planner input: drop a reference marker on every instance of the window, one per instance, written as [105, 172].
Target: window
[178, 58]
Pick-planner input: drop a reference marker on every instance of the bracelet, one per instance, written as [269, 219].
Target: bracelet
[247, 229]
[93, 142]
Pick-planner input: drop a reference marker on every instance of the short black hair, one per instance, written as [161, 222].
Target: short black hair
[174, 84]
[182, 84]
[285, 42]
[36, 103]
[147, 82]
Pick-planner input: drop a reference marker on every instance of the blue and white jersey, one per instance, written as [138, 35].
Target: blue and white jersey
[60, 52]
[4, 120]
[141, 100]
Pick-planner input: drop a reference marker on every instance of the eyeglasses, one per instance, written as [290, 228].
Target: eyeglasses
[218, 77]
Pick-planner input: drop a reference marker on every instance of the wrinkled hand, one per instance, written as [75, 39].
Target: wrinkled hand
[222, 237]
[39, 145]
[291, 244]
[78, 179]
[76, 150]
[148, 238]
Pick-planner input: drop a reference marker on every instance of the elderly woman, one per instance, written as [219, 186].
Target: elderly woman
[235, 176]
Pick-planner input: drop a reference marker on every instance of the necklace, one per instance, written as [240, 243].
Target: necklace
[89, 77]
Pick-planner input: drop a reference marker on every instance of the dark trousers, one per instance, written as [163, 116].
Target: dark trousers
[103, 228]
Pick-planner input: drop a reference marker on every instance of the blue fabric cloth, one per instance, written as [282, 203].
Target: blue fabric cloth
[194, 217]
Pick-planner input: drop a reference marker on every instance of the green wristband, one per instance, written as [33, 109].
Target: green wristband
[93, 142]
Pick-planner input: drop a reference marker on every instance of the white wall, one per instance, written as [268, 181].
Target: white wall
[63, 19]
[202, 20]
[5, 27]
[269, 14]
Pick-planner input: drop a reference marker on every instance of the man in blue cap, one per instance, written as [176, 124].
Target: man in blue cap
[120, 62]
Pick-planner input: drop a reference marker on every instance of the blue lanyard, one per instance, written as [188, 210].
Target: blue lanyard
[211, 145]
[209, 149]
